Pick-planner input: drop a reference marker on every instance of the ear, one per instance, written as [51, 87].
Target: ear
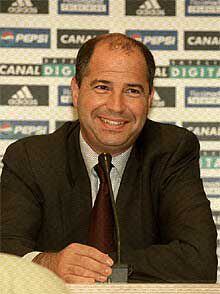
[150, 97]
[75, 92]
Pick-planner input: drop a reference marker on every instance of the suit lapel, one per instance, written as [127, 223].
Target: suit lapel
[78, 203]
[129, 180]
[136, 205]
[132, 176]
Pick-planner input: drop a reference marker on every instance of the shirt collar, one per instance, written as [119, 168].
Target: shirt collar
[91, 157]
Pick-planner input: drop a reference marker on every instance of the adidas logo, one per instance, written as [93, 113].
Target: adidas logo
[23, 97]
[150, 7]
[157, 101]
[22, 6]
[150, 4]
[22, 3]
[23, 93]
[156, 96]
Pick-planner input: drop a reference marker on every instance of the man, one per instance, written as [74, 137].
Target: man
[49, 184]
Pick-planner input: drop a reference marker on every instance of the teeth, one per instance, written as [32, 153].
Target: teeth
[111, 122]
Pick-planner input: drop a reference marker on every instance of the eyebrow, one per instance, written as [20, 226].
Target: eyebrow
[99, 81]
[136, 86]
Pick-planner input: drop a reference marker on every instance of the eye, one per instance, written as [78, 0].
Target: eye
[101, 88]
[133, 92]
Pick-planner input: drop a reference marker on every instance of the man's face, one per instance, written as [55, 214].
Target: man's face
[113, 99]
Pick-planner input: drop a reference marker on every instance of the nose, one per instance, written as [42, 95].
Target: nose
[115, 102]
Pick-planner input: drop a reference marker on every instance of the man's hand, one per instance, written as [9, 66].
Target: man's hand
[77, 263]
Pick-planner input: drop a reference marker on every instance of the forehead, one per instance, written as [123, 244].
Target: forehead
[106, 59]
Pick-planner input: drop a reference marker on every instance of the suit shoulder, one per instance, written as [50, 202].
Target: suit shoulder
[168, 136]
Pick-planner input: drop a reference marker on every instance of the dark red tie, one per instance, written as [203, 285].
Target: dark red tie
[101, 231]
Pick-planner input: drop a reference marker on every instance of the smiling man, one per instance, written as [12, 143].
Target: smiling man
[49, 183]
[113, 99]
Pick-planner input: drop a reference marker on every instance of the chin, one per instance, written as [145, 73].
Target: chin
[113, 148]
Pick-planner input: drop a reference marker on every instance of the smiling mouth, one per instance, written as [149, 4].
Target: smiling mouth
[112, 122]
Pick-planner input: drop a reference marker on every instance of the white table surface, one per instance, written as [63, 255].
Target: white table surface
[145, 288]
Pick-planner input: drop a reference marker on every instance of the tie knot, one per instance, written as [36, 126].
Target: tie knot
[100, 172]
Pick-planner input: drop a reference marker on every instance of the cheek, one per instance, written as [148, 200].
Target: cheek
[87, 109]
[139, 110]
[93, 105]
[84, 103]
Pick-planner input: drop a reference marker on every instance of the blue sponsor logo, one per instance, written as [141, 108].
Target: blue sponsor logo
[19, 129]
[202, 8]
[155, 40]
[88, 7]
[64, 96]
[212, 187]
[24, 38]
[202, 97]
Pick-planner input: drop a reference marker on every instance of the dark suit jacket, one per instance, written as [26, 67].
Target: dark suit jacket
[167, 231]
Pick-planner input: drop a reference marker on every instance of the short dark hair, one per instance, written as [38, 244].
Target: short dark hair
[115, 40]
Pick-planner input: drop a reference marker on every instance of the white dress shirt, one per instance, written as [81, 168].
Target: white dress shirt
[91, 159]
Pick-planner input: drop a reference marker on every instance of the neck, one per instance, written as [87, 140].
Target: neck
[105, 149]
